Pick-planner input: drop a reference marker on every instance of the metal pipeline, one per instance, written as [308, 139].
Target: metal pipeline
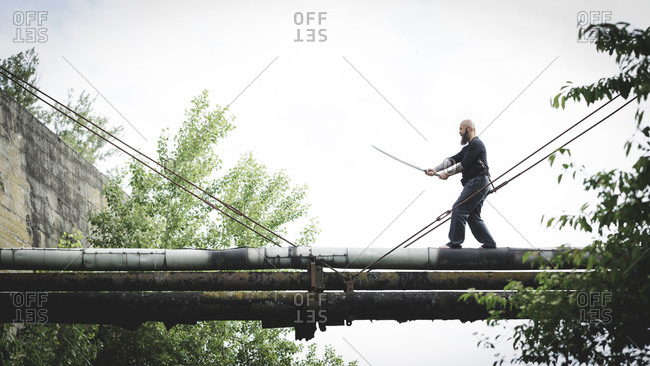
[91, 259]
[258, 281]
[275, 309]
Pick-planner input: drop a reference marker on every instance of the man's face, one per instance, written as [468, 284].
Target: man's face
[463, 131]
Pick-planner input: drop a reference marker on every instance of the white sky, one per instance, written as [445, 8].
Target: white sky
[311, 114]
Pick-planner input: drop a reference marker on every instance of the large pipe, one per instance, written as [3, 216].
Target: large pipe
[274, 309]
[91, 259]
[257, 281]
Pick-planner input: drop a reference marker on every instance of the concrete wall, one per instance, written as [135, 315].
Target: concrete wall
[46, 188]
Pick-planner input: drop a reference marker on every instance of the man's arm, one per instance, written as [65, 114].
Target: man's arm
[449, 166]
[445, 163]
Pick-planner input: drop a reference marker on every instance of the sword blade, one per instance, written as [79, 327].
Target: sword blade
[400, 160]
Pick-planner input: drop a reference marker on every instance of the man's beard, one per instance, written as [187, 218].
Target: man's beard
[465, 138]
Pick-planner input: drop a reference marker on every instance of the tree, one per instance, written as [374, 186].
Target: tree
[46, 344]
[157, 213]
[86, 143]
[25, 66]
[206, 343]
[49, 344]
[602, 315]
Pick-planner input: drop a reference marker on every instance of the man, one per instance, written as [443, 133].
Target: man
[472, 162]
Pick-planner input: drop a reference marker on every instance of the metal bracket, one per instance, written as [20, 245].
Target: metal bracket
[315, 276]
[350, 305]
[313, 306]
[349, 285]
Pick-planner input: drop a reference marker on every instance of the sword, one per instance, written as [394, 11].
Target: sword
[402, 161]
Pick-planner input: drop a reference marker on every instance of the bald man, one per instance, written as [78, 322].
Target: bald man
[472, 162]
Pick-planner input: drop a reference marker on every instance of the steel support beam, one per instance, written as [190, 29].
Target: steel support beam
[257, 281]
[302, 310]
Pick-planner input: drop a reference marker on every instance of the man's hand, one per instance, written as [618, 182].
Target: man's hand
[443, 176]
[430, 172]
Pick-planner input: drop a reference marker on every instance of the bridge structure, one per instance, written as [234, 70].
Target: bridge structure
[299, 287]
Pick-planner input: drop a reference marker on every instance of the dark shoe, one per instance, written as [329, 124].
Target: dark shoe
[447, 246]
[486, 247]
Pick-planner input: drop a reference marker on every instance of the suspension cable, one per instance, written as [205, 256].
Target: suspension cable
[14, 78]
[446, 213]
[537, 162]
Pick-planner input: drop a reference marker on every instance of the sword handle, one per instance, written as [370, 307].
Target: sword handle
[426, 170]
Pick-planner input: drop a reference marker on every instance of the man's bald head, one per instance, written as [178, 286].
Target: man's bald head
[468, 123]
[467, 131]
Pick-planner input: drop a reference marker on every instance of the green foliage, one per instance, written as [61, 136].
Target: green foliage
[601, 315]
[329, 357]
[265, 198]
[71, 240]
[90, 146]
[632, 50]
[157, 213]
[23, 65]
[86, 143]
[48, 344]
[496, 304]
[206, 343]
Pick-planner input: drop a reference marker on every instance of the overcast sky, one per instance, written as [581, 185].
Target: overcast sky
[397, 74]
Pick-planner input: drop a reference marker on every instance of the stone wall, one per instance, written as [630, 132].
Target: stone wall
[46, 188]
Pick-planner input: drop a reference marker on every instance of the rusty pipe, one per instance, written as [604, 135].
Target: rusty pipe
[257, 281]
[274, 309]
[92, 259]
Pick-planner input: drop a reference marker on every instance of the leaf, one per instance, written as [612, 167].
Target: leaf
[550, 222]
[556, 101]
[591, 262]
